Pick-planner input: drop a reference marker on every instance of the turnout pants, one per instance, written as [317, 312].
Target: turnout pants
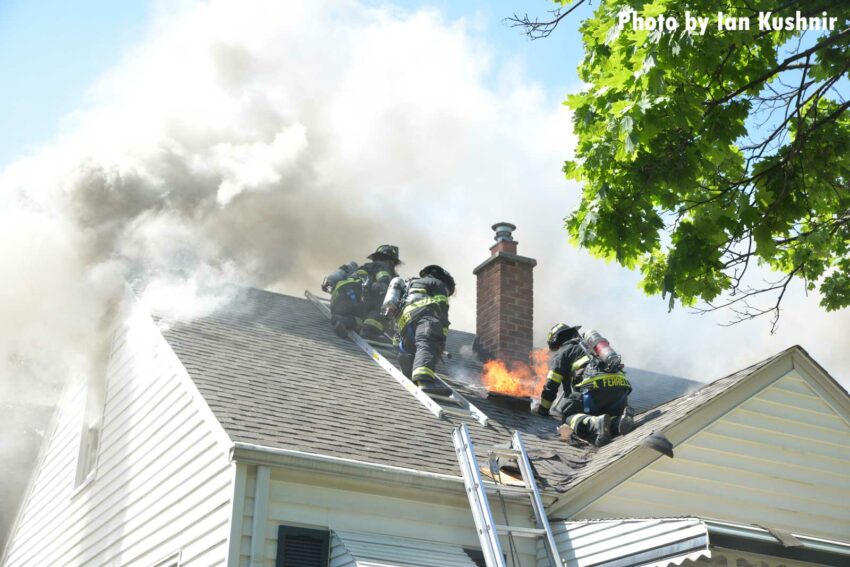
[357, 313]
[422, 344]
[577, 405]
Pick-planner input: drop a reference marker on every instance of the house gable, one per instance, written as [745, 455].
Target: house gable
[162, 482]
[773, 450]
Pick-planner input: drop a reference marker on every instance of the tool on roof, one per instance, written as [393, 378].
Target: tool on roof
[476, 491]
[659, 442]
[456, 404]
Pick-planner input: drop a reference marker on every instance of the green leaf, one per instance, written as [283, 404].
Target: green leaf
[673, 183]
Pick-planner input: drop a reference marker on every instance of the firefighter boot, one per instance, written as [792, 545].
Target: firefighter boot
[627, 421]
[344, 323]
[594, 429]
[599, 429]
[339, 327]
[371, 329]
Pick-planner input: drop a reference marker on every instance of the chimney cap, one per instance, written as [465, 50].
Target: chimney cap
[503, 231]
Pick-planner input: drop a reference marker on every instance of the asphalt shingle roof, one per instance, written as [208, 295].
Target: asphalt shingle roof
[661, 417]
[274, 374]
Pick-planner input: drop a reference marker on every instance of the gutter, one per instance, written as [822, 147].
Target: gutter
[760, 540]
[361, 470]
[339, 466]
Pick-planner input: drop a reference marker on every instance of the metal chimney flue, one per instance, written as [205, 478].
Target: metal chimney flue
[504, 231]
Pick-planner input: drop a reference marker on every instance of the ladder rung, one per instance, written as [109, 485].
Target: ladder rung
[451, 399]
[503, 452]
[522, 532]
[457, 411]
[432, 405]
[440, 394]
[477, 492]
[506, 489]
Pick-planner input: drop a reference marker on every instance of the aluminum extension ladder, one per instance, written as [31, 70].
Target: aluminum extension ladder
[476, 490]
[459, 405]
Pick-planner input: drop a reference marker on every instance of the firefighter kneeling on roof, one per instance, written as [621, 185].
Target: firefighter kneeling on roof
[421, 308]
[357, 291]
[595, 404]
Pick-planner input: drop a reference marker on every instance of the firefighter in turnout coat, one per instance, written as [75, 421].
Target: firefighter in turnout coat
[421, 308]
[596, 392]
[357, 292]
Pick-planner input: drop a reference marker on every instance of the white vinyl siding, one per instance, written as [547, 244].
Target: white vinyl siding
[328, 503]
[638, 541]
[779, 459]
[162, 484]
[358, 549]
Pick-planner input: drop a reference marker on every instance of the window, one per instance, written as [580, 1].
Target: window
[172, 560]
[90, 435]
[88, 452]
[302, 547]
[476, 555]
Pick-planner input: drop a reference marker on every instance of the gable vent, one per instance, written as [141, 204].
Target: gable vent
[301, 547]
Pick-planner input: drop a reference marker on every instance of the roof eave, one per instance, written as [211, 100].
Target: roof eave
[759, 540]
[588, 490]
[354, 470]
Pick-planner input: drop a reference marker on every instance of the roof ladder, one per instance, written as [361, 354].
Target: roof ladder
[476, 490]
[463, 406]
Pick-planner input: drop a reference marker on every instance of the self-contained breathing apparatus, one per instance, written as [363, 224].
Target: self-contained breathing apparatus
[403, 301]
[393, 300]
[601, 367]
[347, 289]
[599, 349]
[394, 304]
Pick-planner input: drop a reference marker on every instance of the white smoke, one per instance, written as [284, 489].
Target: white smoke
[261, 145]
[265, 144]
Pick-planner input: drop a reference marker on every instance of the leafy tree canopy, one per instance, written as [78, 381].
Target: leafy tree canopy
[704, 154]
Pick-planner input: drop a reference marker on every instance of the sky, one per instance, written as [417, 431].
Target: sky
[196, 143]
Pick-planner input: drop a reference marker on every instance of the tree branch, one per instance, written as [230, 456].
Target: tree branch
[778, 69]
[537, 29]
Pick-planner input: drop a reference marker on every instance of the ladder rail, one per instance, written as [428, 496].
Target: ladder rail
[459, 399]
[478, 502]
[488, 532]
[412, 388]
[408, 385]
[536, 502]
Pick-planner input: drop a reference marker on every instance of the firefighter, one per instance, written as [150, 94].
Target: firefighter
[596, 392]
[421, 306]
[357, 292]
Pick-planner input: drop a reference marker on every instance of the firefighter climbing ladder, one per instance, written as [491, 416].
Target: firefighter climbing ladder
[476, 490]
[462, 405]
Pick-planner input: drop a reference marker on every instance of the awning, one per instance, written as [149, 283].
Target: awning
[375, 550]
[613, 543]
[766, 541]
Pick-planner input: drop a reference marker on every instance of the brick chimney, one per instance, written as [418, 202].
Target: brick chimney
[505, 300]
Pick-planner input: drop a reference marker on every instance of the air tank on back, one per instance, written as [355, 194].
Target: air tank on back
[394, 295]
[599, 345]
[340, 274]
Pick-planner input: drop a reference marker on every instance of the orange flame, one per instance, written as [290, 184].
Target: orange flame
[516, 378]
